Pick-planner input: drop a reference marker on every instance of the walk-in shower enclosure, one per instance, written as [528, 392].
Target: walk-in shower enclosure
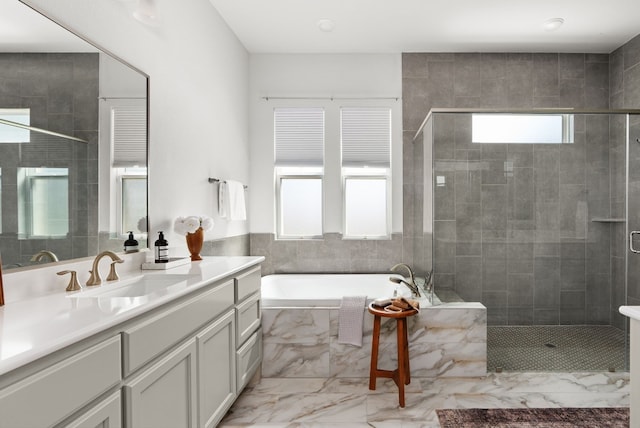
[531, 212]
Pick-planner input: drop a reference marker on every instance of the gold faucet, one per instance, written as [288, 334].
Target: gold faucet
[37, 257]
[95, 279]
[73, 281]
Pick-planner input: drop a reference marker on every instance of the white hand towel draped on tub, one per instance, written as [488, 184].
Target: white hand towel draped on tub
[231, 203]
[350, 320]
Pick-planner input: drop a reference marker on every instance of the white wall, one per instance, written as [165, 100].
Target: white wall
[198, 100]
[341, 76]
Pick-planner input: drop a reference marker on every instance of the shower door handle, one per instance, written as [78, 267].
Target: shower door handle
[633, 232]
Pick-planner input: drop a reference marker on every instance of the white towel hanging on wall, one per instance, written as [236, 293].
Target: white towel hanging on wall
[231, 203]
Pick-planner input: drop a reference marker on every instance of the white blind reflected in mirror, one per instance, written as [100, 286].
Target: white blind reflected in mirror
[129, 135]
[522, 128]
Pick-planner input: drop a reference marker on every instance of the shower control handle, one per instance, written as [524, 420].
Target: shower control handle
[633, 232]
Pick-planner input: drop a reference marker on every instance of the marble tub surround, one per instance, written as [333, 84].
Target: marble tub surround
[347, 402]
[49, 319]
[448, 340]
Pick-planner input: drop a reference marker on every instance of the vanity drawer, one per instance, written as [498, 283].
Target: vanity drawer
[53, 394]
[247, 283]
[248, 359]
[248, 317]
[150, 337]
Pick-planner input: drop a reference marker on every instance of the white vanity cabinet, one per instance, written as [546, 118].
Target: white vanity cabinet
[181, 364]
[220, 349]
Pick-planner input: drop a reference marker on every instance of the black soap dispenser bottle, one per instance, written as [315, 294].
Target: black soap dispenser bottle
[162, 249]
[130, 245]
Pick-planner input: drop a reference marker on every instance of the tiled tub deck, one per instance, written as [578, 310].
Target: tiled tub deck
[447, 340]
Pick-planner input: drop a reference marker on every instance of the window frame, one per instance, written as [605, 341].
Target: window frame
[367, 174]
[567, 127]
[281, 173]
[26, 222]
[121, 176]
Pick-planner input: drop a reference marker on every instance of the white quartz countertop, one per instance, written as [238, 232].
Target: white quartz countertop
[631, 311]
[33, 327]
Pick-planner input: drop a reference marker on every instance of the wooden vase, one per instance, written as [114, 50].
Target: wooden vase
[194, 244]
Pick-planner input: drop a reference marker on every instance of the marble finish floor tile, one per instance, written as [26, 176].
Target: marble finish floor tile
[348, 402]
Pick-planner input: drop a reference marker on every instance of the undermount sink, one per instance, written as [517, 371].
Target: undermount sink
[142, 285]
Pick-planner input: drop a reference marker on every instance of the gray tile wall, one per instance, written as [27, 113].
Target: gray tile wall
[231, 246]
[527, 254]
[62, 92]
[332, 254]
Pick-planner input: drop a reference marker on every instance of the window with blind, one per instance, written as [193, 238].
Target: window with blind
[299, 161]
[126, 135]
[366, 170]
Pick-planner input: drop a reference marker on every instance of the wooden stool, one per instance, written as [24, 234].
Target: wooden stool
[401, 376]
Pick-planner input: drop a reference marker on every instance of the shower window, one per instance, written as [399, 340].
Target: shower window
[522, 128]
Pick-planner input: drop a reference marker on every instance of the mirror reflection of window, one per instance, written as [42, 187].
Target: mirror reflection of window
[133, 199]
[14, 134]
[43, 202]
[127, 173]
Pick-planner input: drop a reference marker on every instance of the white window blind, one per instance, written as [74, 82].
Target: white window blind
[129, 133]
[299, 136]
[366, 136]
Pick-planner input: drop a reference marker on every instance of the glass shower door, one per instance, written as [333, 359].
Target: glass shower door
[631, 294]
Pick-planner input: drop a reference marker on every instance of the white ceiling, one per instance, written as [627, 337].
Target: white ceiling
[24, 30]
[393, 26]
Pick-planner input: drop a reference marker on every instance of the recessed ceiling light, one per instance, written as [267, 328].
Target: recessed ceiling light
[552, 24]
[326, 25]
[146, 13]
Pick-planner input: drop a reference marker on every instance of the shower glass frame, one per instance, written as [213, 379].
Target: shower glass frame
[616, 223]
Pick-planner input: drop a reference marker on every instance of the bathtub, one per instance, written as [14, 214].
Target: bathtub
[326, 290]
[300, 324]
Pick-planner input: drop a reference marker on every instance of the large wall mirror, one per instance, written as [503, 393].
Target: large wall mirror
[73, 144]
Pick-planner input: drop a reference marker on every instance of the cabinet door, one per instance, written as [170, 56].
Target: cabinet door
[164, 395]
[248, 318]
[216, 369]
[248, 359]
[106, 414]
